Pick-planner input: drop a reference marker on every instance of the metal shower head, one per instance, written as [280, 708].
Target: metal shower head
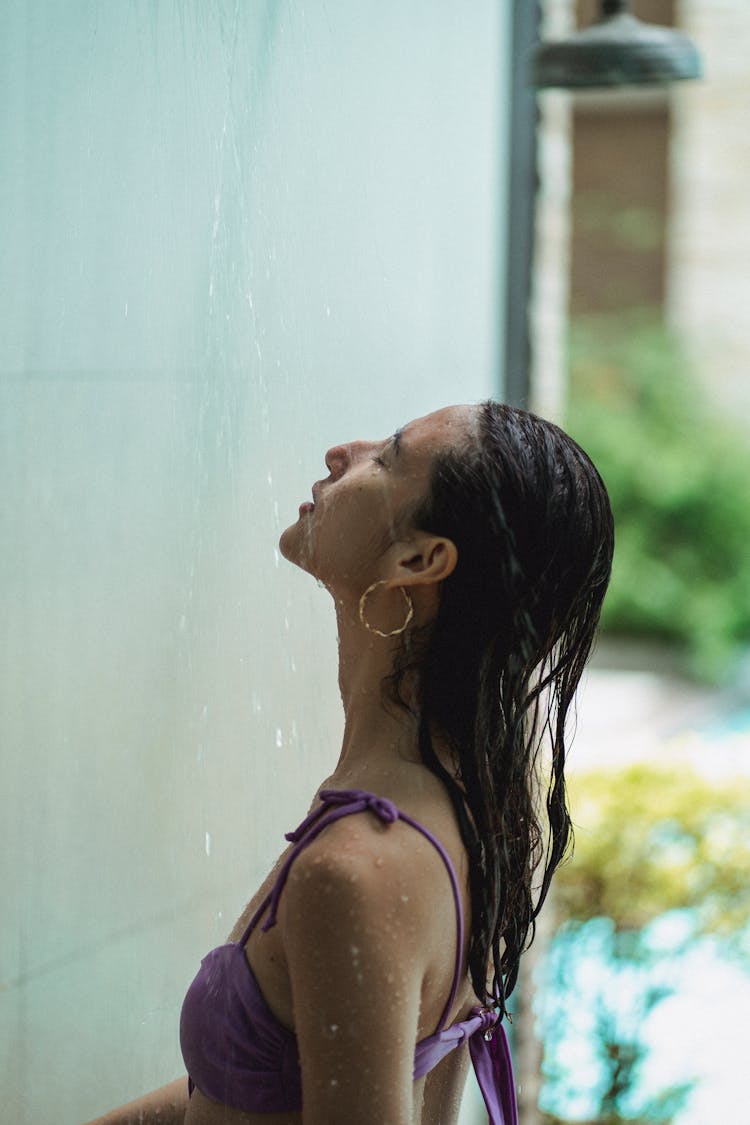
[618, 50]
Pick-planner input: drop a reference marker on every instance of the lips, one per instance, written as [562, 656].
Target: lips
[307, 506]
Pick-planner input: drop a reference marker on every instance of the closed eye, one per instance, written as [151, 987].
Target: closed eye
[393, 445]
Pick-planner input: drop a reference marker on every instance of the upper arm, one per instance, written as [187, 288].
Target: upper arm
[353, 951]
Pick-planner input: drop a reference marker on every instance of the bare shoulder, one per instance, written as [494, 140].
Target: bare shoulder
[381, 870]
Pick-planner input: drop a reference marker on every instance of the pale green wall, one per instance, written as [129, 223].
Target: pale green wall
[233, 234]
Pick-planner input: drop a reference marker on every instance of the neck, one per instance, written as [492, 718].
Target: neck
[377, 738]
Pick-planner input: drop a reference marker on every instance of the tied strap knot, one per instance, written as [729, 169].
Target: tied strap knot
[381, 806]
[489, 1019]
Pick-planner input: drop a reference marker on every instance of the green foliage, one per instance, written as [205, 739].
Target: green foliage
[679, 481]
[649, 842]
[652, 840]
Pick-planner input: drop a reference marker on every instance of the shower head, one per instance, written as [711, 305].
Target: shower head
[618, 50]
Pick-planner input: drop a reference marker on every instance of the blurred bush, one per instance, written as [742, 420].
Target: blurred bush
[659, 883]
[679, 480]
[652, 840]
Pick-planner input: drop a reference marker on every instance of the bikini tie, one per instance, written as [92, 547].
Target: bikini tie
[381, 806]
[490, 1018]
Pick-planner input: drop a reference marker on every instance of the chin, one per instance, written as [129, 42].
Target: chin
[295, 547]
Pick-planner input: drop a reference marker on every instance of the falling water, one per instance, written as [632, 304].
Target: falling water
[239, 233]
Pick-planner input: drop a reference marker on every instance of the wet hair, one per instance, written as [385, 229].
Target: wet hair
[498, 669]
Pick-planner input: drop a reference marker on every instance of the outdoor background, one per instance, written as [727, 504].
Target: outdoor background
[641, 987]
[233, 235]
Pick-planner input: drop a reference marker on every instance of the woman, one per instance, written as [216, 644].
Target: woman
[467, 556]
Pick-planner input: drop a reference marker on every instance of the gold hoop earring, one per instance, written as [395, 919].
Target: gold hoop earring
[371, 628]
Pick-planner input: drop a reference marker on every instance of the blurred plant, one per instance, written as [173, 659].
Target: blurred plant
[679, 480]
[653, 840]
[662, 862]
[601, 985]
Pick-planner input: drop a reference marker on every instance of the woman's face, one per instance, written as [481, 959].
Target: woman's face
[365, 503]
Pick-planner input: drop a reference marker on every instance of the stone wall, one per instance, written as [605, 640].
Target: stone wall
[708, 275]
[703, 260]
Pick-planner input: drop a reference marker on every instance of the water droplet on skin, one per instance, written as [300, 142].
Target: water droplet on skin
[334, 1082]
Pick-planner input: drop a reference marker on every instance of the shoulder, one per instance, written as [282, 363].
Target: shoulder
[359, 863]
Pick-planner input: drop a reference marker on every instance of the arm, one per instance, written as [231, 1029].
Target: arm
[165, 1106]
[355, 963]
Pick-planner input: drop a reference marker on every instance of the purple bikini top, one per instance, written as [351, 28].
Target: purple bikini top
[237, 1053]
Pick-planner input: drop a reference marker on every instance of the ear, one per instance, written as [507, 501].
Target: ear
[422, 561]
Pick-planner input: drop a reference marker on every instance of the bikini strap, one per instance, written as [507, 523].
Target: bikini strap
[338, 803]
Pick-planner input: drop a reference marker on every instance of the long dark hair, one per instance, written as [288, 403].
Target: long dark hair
[498, 669]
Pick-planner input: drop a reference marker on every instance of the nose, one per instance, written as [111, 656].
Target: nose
[341, 457]
[337, 458]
